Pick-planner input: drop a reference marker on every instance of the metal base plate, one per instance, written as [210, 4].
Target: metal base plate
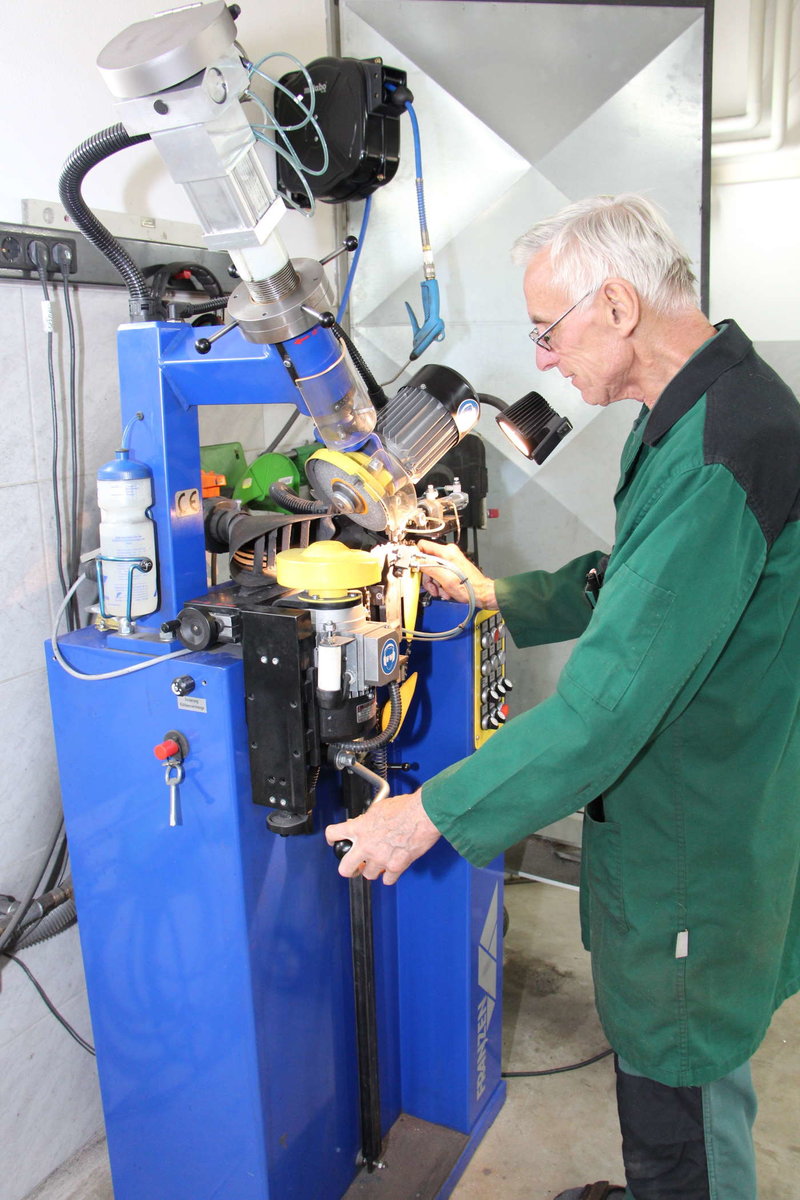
[419, 1158]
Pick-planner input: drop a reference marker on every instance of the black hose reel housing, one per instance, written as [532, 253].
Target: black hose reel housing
[358, 104]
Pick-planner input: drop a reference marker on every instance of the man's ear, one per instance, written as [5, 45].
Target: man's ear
[621, 304]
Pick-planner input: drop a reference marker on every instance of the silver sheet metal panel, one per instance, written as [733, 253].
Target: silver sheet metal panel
[524, 107]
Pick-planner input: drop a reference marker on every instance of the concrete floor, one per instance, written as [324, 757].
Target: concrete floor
[557, 1131]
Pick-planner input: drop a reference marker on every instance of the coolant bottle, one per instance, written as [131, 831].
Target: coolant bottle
[124, 494]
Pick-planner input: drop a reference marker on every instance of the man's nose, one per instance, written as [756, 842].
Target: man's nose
[546, 359]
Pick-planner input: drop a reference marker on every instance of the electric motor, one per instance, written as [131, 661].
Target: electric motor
[427, 418]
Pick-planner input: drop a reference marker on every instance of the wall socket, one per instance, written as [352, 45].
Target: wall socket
[17, 250]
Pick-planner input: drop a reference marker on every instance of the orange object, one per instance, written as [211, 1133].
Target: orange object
[212, 482]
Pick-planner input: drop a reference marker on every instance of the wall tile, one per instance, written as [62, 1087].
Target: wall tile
[58, 966]
[29, 791]
[51, 1099]
[17, 457]
[88, 524]
[97, 313]
[24, 603]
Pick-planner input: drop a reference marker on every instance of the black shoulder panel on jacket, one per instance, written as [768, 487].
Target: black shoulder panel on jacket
[753, 428]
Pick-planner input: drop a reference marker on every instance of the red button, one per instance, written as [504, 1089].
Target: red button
[504, 709]
[167, 749]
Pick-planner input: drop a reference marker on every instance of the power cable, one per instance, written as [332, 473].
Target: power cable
[37, 249]
[62, 662]
[394, 378]
[471, 605]
[587, 1062]
[73, 1033]
[276, 441]
[63, 259]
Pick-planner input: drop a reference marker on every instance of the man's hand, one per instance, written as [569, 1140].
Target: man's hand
[440, 581]
[386, 839]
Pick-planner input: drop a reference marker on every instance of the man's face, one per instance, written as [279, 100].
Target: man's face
[584, 346]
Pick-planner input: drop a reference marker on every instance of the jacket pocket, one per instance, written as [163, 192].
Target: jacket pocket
[629, 615]
[602, 890]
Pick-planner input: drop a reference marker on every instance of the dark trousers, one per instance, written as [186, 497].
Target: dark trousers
[687, 1143]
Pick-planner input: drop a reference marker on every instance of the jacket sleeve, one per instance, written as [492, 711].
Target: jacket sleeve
[547, 606]
[673, 593]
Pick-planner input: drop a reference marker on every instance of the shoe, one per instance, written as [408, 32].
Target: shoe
[593, 1191]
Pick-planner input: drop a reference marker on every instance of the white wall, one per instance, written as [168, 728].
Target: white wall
[49, 1101]
[755, 201]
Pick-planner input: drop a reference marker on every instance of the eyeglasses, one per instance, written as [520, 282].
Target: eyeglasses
[543, 339]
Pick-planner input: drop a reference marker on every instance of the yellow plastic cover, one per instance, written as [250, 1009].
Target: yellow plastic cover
[326, 569]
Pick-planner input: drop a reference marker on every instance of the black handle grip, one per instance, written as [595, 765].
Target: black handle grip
[341, 848]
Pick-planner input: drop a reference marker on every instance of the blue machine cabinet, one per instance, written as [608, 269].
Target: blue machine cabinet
[217, 955]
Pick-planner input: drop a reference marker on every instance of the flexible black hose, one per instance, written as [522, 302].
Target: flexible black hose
[33, 887]
[202, 306]
[51, 924]
[280, 494]
[493, 401]
[99, 146]
[369, 745]
[376, 393]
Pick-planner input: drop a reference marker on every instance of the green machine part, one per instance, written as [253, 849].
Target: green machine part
[226, 458]
[253, 486]
[303, 453]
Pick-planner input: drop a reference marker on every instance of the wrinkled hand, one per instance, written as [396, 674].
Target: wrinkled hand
[386, 839]
[439, 581]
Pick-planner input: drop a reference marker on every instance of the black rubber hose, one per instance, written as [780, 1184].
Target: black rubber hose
[493, 401]
[100, 146]
[202, 306]
[286, 498]
[376, 393]
[368, 745]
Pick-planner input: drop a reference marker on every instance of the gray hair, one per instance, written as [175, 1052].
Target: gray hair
[623, 236]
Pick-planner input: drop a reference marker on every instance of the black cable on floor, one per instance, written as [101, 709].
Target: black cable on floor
[62, 1020]
[587, 1062]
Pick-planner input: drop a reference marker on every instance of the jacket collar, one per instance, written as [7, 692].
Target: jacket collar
[694, 379]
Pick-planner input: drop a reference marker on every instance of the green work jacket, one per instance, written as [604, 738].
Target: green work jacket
[675, 724]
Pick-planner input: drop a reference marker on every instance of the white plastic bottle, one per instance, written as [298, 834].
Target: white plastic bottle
[124, 494]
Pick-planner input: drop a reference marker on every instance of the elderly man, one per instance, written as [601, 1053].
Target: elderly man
[676, 721]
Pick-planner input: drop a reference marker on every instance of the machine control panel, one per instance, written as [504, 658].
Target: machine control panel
[491, 685]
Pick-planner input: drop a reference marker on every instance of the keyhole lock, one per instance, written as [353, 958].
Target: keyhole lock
[172, 750]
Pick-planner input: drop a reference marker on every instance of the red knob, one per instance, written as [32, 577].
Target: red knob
[166, 749]
[493, 513]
